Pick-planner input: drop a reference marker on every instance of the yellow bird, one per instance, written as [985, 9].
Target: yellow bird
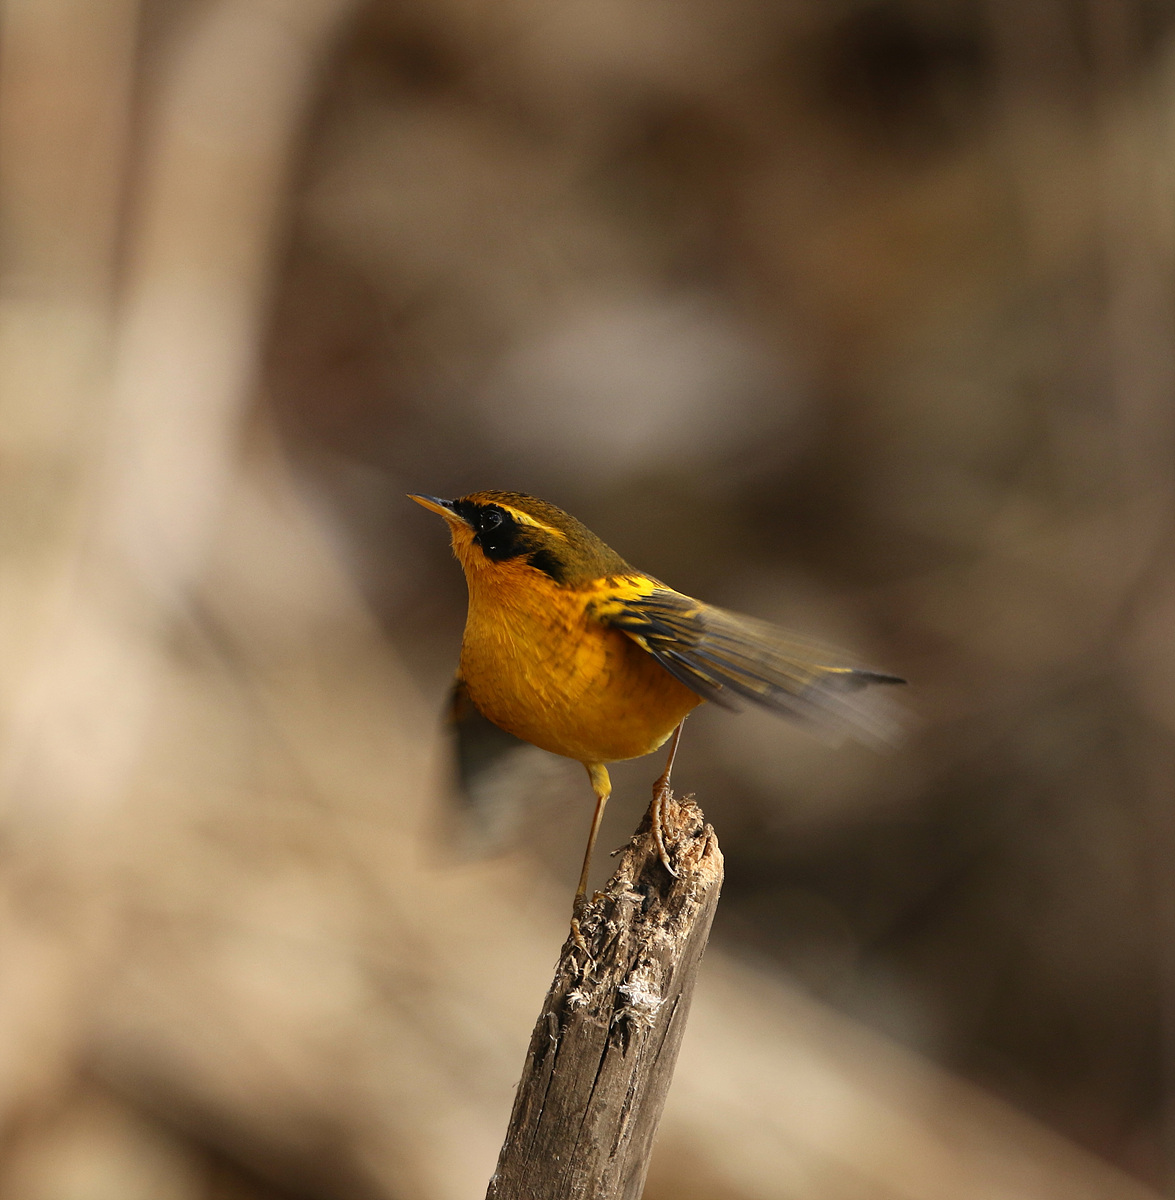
[568, 647]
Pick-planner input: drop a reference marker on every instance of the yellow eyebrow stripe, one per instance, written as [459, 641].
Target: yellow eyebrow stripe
[523, 518]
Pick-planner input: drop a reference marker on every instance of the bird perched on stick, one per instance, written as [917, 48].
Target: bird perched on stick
[569, 648]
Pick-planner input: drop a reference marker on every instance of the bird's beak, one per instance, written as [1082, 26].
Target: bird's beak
[443, 508]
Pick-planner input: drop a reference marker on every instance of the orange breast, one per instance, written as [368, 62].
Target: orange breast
[537, 665]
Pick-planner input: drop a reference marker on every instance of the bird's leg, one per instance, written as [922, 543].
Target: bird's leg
[661, 792]
[602, 786]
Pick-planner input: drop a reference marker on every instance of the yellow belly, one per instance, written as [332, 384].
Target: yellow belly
[537, 665]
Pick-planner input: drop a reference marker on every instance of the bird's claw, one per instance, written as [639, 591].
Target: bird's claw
[577, 935]
[577, 910]
[661, 793]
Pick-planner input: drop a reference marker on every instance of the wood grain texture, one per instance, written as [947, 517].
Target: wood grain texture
[603, 1050]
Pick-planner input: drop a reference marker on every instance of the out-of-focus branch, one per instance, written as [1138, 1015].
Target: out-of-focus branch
[185, 351]
[149, 440]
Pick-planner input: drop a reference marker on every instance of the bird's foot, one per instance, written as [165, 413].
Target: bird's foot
[577, 933]
[661, 793]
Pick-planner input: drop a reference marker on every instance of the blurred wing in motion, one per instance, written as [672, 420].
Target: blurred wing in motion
[487, 811]
[727, 658]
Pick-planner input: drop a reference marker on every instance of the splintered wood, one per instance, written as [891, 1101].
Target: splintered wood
[604, 1047]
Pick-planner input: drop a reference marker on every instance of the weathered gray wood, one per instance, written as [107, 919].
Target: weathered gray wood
[603, 1050]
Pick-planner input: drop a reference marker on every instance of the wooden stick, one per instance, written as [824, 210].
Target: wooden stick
[603, 1049]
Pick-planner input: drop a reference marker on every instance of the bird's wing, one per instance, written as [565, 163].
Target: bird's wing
[486, 816]
[728, 658]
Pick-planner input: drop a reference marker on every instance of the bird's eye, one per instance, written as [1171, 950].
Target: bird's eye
[491, 519]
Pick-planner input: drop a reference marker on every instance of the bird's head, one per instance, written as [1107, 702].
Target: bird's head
[512, 533]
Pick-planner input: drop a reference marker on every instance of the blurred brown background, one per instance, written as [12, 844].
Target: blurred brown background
[856, 316]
